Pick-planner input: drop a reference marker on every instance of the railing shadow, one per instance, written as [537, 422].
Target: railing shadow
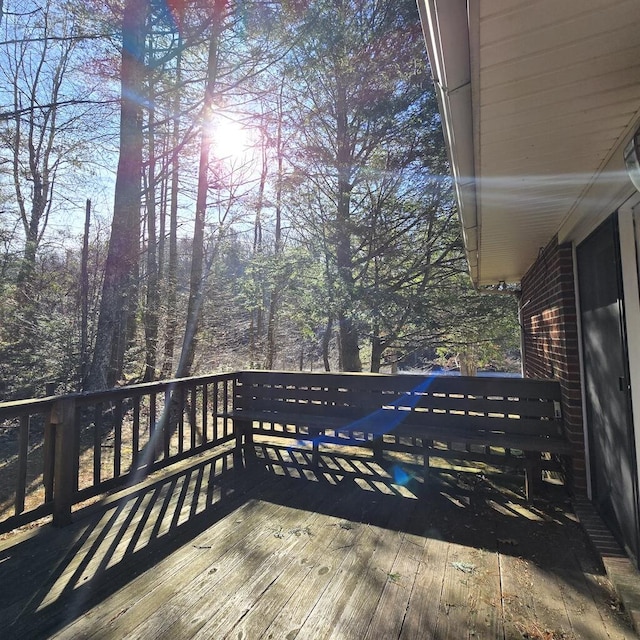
[55, 576]
[464, 508]
[488, 513]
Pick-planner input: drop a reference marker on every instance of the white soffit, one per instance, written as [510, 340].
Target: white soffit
[555, 94]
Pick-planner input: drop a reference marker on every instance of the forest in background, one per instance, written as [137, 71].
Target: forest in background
[197, 186]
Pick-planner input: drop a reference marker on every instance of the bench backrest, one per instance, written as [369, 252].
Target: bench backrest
[496, 404]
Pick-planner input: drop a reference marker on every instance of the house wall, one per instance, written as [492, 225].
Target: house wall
[550, 341]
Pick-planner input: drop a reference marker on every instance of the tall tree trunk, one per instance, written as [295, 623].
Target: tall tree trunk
[172, 267]
[377, 349]
[162, 209]
[349, 348]
[278, 247]
[326, 340]
[197, 275]
[257, 317]
[151, 311]
[377, 344]
[122, 259]
[84, 298]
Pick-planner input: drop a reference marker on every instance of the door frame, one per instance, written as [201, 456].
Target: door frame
[629, 241]
[629, 252]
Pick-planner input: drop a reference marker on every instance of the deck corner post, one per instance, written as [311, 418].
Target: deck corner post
[532, 474]
[63, 418]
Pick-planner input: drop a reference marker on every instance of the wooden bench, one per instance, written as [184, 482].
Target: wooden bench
[510, 422]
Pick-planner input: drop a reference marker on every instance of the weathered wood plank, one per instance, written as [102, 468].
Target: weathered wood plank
[527, 609]
[424, 600]
[315, 612]
[551, 603]
[484, 599]
[363, 601]
[531, 611]
[285, 562]
[602, 610]
[299, 576]
[388, 615]
[289, 620]
[186, 606]
[458, 610]
[328, 589]
[324, 619]
[247, 563]
[154, 588]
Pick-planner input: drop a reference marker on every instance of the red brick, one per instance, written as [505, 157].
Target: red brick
[548, 310]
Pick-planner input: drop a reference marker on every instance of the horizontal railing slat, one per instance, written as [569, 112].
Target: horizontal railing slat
[364, 402]
[420, 422]
[466, 385]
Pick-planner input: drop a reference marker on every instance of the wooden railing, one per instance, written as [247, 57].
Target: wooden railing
[60, 451]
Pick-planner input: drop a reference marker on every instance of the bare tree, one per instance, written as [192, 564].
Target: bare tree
[42, 131]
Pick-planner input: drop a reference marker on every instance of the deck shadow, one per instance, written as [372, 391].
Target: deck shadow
[467, 509]
[55, 576]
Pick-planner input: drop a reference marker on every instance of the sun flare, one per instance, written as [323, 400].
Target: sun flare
[231, 140]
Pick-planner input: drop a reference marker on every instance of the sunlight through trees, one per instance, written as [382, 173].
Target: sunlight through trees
[269, 189]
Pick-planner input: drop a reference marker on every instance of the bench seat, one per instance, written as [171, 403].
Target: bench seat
[514, 422]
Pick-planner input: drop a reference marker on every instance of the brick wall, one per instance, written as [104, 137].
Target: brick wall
[550, 340]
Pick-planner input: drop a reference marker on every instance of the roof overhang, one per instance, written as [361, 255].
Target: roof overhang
[538, 100]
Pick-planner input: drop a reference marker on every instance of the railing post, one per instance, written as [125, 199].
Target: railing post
[63, 420]
[427, 445]
[532, 474]
[243, 452]
[23, 449]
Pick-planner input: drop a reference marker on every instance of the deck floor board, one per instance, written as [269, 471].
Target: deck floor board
[279, 551]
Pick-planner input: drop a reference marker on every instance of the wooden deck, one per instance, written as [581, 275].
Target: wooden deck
[280, 553]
